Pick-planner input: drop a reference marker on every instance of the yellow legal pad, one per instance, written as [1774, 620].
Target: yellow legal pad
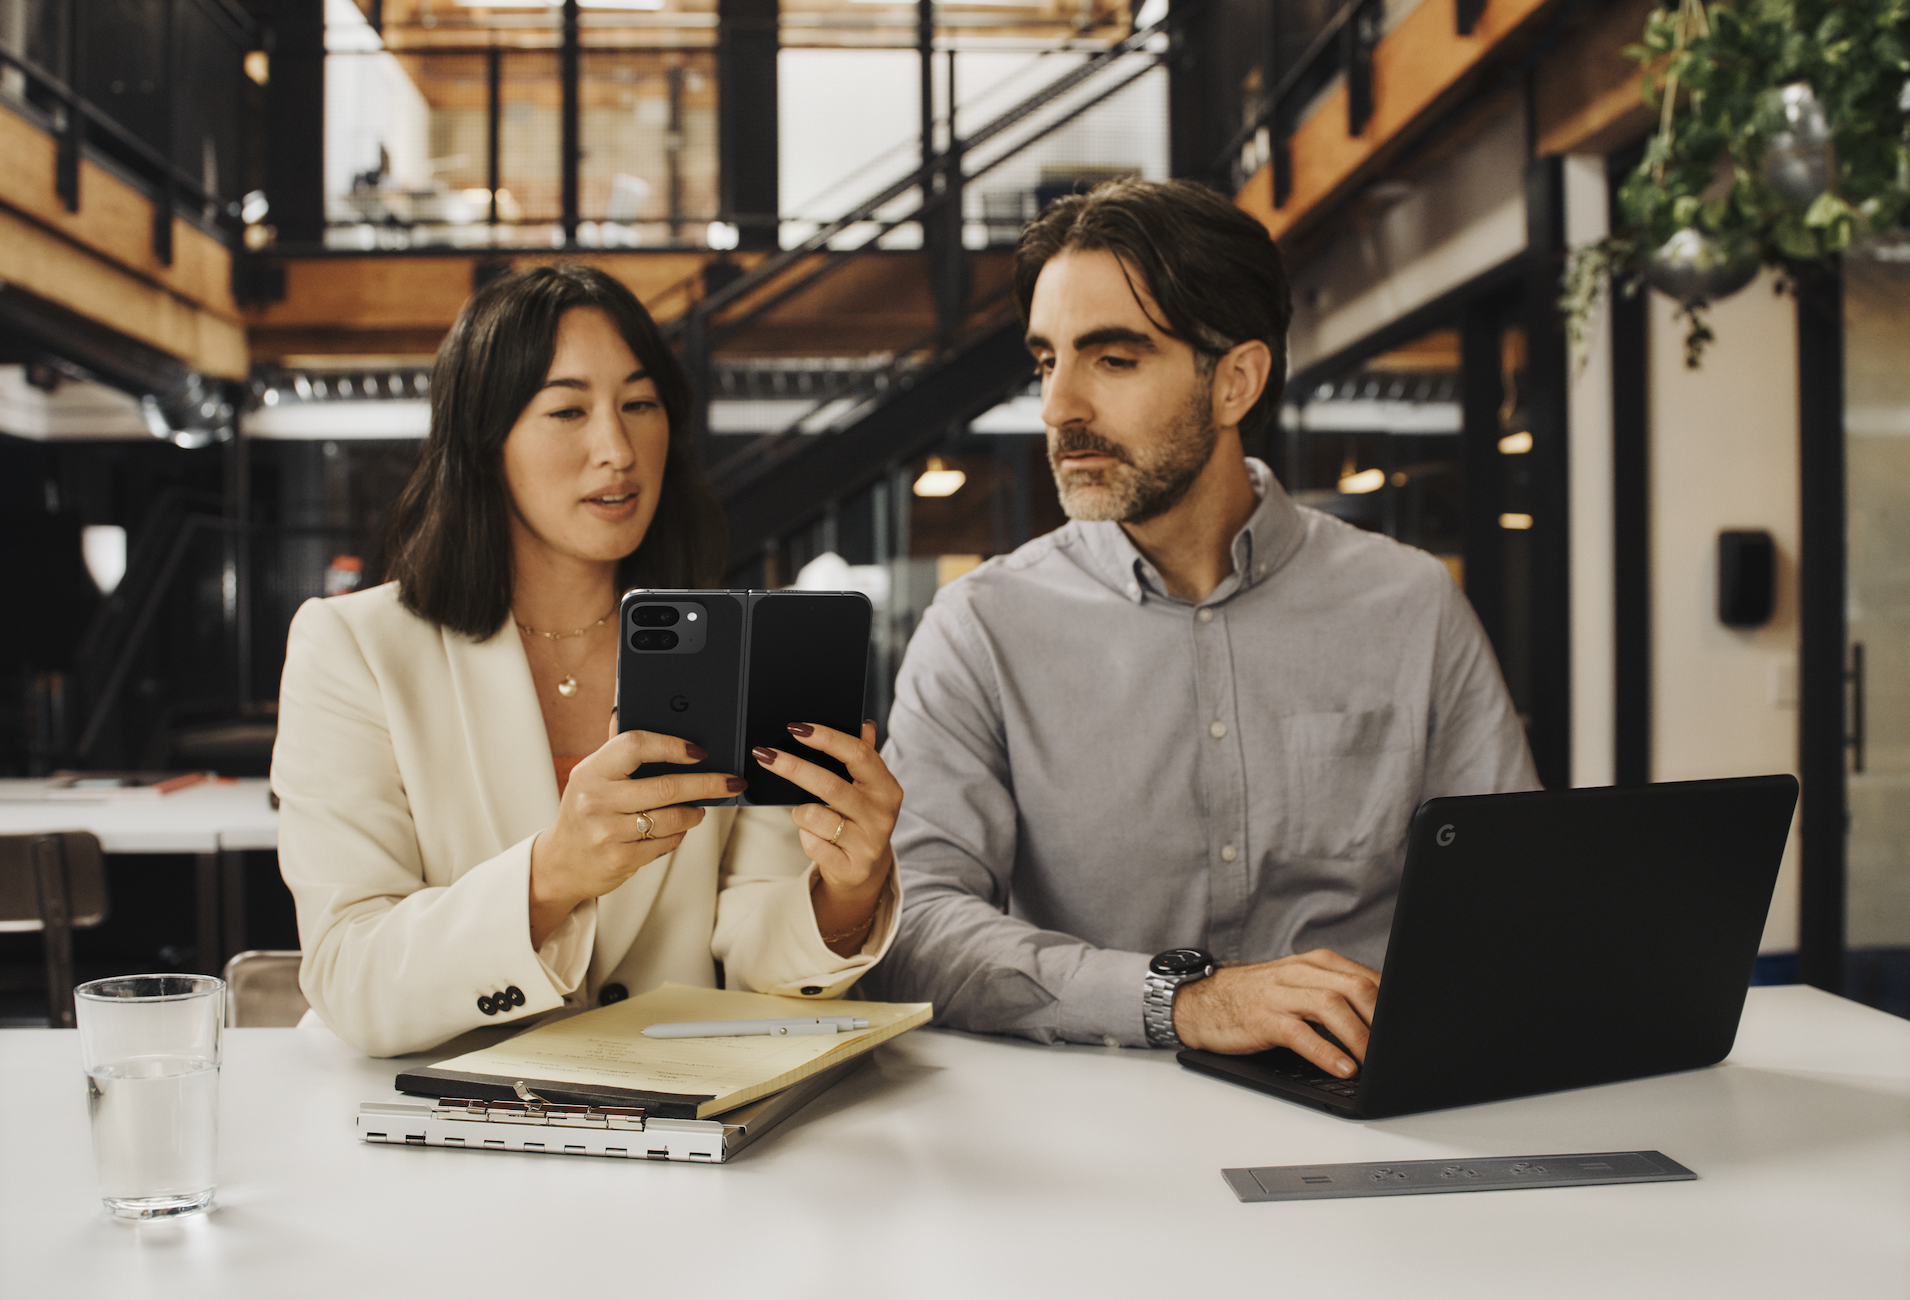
[601, 1057]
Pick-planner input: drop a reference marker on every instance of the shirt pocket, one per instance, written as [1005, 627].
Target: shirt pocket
[1351, 781]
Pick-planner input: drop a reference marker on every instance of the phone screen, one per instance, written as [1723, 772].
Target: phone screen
[808, 662]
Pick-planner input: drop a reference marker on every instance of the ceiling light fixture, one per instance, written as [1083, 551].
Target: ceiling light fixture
[1367, 480]
[1518, 523]
[938, 480]
[1515, 444]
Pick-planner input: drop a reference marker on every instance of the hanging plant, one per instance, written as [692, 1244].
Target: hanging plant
[1781, 138]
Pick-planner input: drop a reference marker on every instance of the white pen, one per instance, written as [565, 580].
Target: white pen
[751, 1028]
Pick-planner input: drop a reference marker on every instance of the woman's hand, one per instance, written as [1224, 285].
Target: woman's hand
[598, 840]
[847, 834]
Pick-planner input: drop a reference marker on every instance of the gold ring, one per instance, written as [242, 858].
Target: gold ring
[645, 826]
[841, 821]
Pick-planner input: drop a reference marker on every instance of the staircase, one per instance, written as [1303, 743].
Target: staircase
[933, 332]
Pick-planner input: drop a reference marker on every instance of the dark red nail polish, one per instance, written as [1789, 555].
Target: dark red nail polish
[736, 785]
[763, 756]
[697, 752]
[801, 730]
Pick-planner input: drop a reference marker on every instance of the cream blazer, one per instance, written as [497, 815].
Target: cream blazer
[413, 771]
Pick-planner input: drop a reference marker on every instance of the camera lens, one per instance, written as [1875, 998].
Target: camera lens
[655, 615]
[653, 641]
[665, 640]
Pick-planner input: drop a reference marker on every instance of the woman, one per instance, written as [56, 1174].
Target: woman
[463, 843]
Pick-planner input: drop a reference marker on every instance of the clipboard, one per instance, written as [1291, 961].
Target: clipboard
[620, 1132]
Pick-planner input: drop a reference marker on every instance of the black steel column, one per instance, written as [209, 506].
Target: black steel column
[295, 109]
[1631, 520]
[748, 160]
[169, 91]
[1481, 389]
[1823, 821]
[1549, 463]
[66, 162]
[676, 152]
[569, 72]
[493, 114]
[1196, 128]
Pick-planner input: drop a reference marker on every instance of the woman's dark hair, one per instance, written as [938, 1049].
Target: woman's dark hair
[450, 540]
[1214, 270]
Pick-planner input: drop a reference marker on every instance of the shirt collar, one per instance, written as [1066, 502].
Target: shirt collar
[1260, 549]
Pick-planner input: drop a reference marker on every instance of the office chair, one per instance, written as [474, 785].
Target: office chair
[261, 990]
[53, 883]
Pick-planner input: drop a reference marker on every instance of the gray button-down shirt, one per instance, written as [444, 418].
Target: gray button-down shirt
[1097, 770]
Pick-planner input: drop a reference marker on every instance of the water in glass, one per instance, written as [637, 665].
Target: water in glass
[155, 1133]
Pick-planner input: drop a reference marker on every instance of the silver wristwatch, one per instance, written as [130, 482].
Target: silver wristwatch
[1165, 975]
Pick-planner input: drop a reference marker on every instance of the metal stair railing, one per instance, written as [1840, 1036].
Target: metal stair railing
[939, 182]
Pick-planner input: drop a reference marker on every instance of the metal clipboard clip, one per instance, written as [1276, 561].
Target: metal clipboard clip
[552, 1128]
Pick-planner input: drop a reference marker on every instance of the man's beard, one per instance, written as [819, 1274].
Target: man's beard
[1136, 489]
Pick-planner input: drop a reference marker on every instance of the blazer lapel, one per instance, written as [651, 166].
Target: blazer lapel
[504, 734]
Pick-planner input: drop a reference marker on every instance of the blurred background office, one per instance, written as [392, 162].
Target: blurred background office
[234, 232]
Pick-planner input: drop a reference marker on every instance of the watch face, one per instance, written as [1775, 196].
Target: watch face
[1180, 961]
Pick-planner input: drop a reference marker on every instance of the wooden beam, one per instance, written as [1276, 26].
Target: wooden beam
[426, 292]
[1586, 93]
[65, 272]
[114, 221]
[1417, 66]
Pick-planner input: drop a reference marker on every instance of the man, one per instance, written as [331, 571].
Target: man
[1198, 716]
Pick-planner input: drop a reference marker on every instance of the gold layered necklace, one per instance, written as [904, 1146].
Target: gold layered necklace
[568, 686]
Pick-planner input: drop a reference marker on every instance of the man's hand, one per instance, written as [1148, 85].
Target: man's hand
[1241, 1009]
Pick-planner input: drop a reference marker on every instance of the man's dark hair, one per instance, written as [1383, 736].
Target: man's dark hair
[1214, 270]
[450, 539]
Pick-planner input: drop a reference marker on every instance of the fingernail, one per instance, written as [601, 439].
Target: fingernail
[766, 757]
[801, 730]
[697, 751]
[868, 722]
[736, 785]
[1344, 1067]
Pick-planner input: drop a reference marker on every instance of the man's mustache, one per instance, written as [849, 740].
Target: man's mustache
[1069, 441]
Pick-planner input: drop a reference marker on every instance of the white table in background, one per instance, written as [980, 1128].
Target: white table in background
[215, 821]
[972, 1167]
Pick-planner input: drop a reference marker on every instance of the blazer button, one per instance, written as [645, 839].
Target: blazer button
[487, 1006]
[610, 994]
[515, 994]
[810, 990]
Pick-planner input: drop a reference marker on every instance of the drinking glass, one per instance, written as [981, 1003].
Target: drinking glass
[150, 1044]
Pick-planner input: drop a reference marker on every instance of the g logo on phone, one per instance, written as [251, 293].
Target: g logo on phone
[679, 704]
[1446, 835]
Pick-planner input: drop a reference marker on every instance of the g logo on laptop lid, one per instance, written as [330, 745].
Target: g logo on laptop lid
[1446, 835]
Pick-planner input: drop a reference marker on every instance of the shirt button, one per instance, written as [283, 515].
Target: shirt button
[611, 994]
[1228, 853]
[1205, 615]
[1133, 588]
[1109, 1040]
[1217, 730]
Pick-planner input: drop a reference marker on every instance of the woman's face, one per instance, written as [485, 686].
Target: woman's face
[584, 462]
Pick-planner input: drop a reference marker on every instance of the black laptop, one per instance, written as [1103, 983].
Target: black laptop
[1554, 940]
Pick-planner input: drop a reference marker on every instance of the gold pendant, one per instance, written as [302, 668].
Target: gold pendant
[567, 687]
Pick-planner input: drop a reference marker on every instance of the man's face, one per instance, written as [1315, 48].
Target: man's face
[1129, 410]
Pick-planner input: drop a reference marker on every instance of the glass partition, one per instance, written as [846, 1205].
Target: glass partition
[1877, 458]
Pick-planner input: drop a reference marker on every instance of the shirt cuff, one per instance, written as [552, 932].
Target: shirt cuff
[1102, 1002]
[565, 955]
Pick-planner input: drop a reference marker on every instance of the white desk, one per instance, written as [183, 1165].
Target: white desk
[969, 1167]
[214, 820]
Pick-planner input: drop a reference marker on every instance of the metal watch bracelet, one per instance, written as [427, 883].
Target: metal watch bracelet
[1157, 1010]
